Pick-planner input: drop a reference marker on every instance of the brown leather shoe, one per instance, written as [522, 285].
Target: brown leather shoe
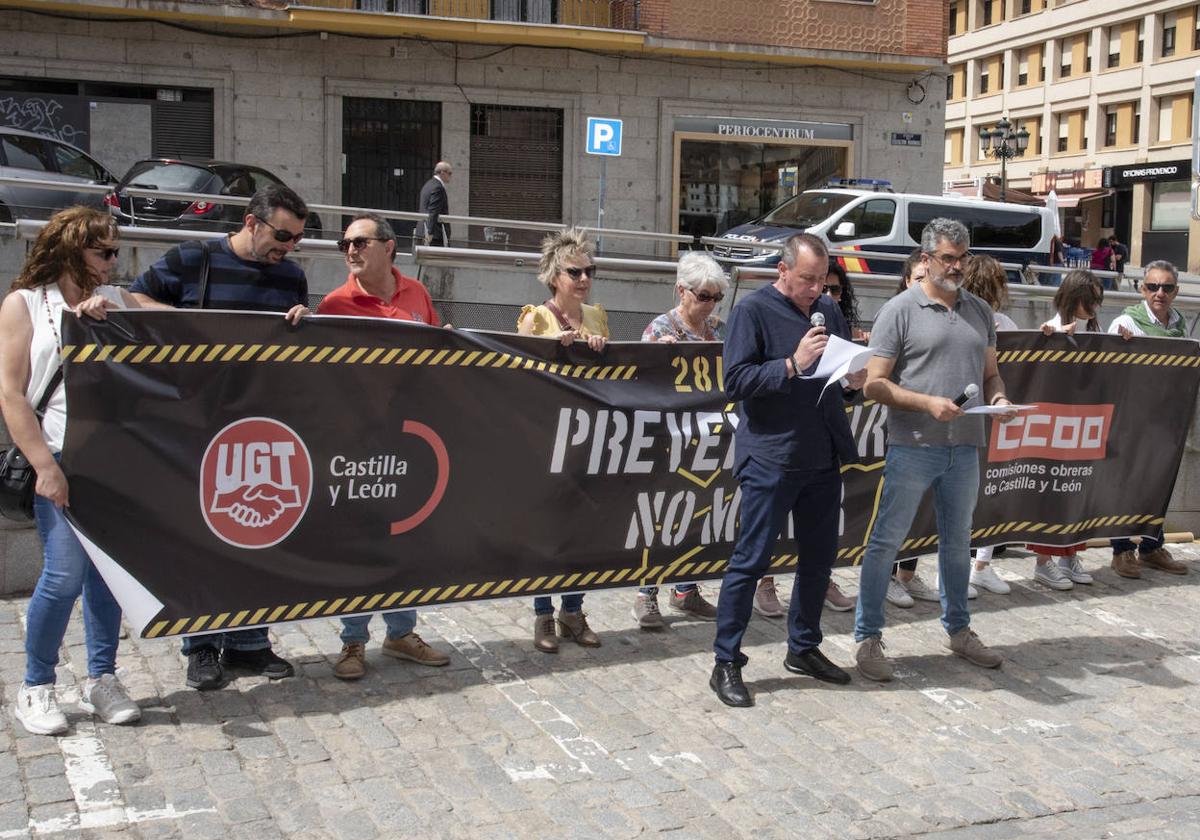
[544, 637]
[1127, 565]
[1162, 560]
[413, 648]
[351, 665]
[574, 626]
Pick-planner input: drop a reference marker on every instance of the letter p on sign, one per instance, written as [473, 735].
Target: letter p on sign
[603, 137]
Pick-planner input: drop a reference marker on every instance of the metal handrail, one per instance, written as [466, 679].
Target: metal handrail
[436, 256]
[344, 210]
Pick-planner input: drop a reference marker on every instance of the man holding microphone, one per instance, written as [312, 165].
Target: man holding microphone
[935, 352]
[790, 441]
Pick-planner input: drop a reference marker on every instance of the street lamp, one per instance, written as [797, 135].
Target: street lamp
[1003, 142]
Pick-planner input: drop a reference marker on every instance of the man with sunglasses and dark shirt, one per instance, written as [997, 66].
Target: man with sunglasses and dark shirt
[247, 271]
[375, 289]
[1154, 317]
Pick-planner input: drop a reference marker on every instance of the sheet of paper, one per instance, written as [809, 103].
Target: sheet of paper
[840, 359]
[998, 409]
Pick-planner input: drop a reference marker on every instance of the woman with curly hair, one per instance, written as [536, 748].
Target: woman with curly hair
[67, 270]
[566, 268]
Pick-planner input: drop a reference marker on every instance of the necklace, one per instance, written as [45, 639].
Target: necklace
[50, 318]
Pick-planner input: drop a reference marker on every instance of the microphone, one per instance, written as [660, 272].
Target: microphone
[817, 320]
[968, 392]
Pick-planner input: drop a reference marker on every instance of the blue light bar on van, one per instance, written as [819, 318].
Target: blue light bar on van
[861, 183]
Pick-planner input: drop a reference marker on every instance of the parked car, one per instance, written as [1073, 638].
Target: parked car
[212, 177]
[24, 154]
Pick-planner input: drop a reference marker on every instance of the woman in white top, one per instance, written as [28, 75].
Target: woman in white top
[67, 268]
[1076, 304]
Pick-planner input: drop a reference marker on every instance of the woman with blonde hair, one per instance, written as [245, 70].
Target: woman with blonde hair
[566, 268]
[68, 269]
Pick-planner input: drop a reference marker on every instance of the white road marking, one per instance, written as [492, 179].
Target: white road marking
[950, 700]
[556, 724]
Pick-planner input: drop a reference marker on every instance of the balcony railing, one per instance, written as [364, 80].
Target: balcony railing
[605, 14]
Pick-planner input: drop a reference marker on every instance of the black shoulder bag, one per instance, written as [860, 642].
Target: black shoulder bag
[17, 477]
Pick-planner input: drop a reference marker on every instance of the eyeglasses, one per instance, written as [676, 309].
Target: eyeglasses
[708, 297]
[111, 253]
[1169, 288]
[359, 242]
[948, 260]
[576, 273]
[282, 235]
[833, 289]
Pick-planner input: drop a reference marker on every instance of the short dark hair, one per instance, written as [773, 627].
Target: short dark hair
[383, 228]
[906, 271]
[814, 244]
[275, 197]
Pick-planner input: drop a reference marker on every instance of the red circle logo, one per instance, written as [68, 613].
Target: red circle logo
[255, 482]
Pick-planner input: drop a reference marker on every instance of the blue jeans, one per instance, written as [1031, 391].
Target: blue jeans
[813, 498]
[953, 472]
[67, 571]
[256, 638]
[681, 588]
[542, 605]
[399, 624]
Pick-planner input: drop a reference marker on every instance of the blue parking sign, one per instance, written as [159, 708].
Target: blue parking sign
[603, 136]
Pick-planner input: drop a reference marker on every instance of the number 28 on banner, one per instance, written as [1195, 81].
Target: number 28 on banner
[698, 374]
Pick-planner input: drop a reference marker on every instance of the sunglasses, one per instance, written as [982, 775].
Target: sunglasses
[576, 273]
[833, 289]
[281, 235]
[359, 242]
[106, 253]
[706, 297]
[1169, 288]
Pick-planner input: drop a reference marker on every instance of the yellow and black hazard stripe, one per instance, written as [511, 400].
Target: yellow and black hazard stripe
[1096, 357]
[137, 354]
[640, 575]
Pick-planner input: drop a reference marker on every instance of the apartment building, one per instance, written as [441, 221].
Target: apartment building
[1105, 91]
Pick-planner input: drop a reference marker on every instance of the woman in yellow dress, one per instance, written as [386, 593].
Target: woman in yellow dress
[567, 268]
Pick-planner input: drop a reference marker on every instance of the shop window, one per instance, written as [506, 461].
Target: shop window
[726, 184]
[1170, 207]
[871, 218]
[1168, 35]
[517, 164]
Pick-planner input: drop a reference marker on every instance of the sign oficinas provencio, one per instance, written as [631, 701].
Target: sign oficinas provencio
[354, 465]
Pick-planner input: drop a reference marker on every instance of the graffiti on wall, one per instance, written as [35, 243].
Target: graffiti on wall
[64, 118]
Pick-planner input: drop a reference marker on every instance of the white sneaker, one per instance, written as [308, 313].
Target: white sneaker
[1073, 569]
[987, 579]
[38, 710]
[897, 595]
[922, 591]
[972, 592]
[1049, 574]
[107, 699]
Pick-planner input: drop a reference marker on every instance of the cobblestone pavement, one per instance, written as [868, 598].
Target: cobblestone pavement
[1090, 729]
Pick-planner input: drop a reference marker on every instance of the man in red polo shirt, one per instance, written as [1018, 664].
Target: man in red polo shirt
[375, 289]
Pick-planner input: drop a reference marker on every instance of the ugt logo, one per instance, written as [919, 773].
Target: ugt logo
[255, 482]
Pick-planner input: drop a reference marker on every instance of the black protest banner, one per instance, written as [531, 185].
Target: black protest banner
[228, 470]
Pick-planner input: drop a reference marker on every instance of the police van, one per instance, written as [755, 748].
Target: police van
[865, 215]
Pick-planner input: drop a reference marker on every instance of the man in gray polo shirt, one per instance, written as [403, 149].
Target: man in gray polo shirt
[930, 343]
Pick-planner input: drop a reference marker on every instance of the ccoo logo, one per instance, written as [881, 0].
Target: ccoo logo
[255, 482]
[1055, 431]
